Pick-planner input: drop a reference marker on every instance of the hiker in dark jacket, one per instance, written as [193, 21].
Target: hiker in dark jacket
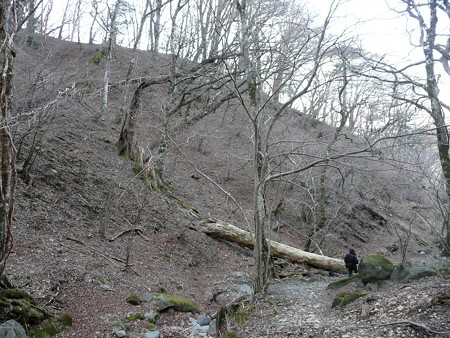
[351, 262]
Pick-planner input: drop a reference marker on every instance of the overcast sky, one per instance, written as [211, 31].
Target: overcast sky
[381, 30]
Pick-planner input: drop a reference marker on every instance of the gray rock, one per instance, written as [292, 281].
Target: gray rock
[152, 334]
[237, 274]
[12, 329]
[199, 330]
[243, 289]
[147, 297]
[410, 270]
[121, 333]
[203, 320]
[213, 326]
[203, 329]
[152, 317]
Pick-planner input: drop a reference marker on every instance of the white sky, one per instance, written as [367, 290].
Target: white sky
[381, 30]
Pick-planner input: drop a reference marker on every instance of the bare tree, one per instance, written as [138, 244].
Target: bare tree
[110, 41]
[8, 27]
[76, 22]
[46, 10]
[64, 20]
[426, 15]
[31, 23]
[258, 68]
[155, 25]
[133, 61]
[94, 13]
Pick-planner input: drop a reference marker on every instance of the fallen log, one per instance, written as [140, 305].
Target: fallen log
[229, 232]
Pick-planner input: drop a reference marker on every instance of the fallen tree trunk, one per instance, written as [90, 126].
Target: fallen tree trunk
[229, 232]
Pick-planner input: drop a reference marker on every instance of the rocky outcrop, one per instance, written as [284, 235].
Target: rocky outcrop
[374, 268]
[411, 270]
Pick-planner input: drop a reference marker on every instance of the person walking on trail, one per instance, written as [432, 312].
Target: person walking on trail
[351, 262]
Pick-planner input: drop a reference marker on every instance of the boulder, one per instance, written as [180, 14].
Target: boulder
[121, 333]
[344, 298]
[12, 329]
[152, 334]
[374, 268]
[203, 320]
[411, 270]
[166, 301]
[340, 283]
[134, 300]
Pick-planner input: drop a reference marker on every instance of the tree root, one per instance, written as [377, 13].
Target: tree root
[416, 326]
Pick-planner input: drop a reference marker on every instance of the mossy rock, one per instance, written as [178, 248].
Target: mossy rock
[54, 326]
[410, 270]
[374, 268]
[132, 316]
[378, 285]
[97, 57]
[344, 282]
[151, 326]
[20, 306]
[134, 300]
[166, 301]
[344, 298]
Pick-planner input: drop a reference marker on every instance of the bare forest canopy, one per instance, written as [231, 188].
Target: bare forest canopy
[252, 111]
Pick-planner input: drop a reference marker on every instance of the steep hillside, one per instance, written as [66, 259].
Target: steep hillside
[88, 232]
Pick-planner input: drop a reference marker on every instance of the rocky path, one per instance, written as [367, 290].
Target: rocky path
[299, 307]
[296, 308]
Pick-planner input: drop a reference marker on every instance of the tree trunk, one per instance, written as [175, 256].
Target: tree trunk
[63, 21]
[229, 232]
[157, 26]
[91, 29]
[132, 65]
[437, 114]
[249, 53]
[76, 22]
[31, 23]
[110, 41]
[7, 158]
[125, 143]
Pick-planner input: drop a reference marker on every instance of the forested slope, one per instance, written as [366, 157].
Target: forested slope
[86, 218]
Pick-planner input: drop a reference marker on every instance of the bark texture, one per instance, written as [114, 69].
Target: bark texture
[7, 155]
[229, 232]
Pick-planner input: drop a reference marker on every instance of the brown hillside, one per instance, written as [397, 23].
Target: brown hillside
[79, 187]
